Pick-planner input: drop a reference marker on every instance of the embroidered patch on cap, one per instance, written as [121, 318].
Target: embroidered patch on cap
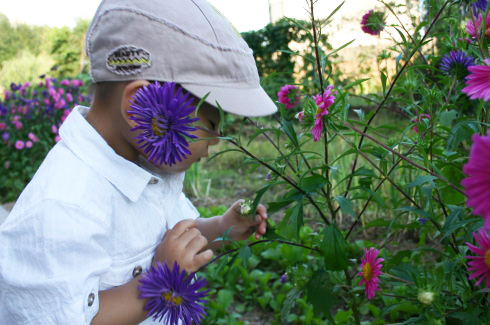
[126, 60]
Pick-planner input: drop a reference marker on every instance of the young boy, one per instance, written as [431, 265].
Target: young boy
[97, 213]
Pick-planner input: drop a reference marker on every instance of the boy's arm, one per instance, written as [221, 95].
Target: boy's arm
[182, 244]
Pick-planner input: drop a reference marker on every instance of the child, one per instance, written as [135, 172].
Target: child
[98, 213]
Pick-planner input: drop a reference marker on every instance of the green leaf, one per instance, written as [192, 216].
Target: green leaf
[289, 303]
[292, 221]
[313, 183]
[334, 248]
[288, 128]
[383, 81]
[446, 118]
[319, 293]
[345, 205]
[422, 180]
[355, 83]
[259, 195]
[245, 253]
[455, 222]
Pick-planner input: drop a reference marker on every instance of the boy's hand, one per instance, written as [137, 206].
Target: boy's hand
[183, 244]
[245, 225]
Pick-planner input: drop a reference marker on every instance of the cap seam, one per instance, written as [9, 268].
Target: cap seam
[205, 17]
[164, 22]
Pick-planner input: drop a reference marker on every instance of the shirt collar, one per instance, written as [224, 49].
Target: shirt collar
[88, 145]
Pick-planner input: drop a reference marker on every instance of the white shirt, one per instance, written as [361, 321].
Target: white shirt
[85, 222]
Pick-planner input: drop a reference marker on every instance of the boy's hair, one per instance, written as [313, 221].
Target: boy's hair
[186, 41]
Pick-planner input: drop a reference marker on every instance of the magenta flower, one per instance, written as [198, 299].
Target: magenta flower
[478, 82]
[173, 295]
[473, 30]
[323, 102]
[28, 144]
[419, 118]
[69, 97]
[317, 129]
[477, 184]
[3, 126]
[373, 22]
[480, 264]
[289, 96]
[76, 83]
[19, 144]
[57, 138]
[54, 129]
[370, 271]
[33, 137]
[65, 82]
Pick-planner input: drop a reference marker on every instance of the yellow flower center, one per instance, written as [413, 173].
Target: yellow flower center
[367, 271]
[155, 128]
[176, 300]
[487, 258]
[319, 111]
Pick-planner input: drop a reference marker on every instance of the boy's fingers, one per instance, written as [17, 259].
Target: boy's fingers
[204, 257]
[196, 244]
[262, 211]
[181, 227]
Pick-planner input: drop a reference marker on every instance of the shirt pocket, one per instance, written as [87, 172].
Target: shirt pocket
[123, 271]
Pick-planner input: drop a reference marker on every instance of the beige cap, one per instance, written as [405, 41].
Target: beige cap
[184, 41]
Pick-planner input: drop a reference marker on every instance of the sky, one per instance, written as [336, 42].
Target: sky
[57, 13]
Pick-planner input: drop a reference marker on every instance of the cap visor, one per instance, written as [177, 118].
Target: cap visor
[240, 101]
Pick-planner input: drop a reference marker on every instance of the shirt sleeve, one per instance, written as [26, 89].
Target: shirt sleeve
[51, 259]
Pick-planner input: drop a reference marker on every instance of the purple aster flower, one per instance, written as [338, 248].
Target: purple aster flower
[5, 136]
[284, 278]
[456, 63]
[173, 295]
[422, 221]
[477, 5]
[162, 113]
[373, 22]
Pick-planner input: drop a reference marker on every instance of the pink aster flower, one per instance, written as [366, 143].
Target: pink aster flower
[289, 96]
[480, 264]
[19, 144]
[33, 137]
[370, 271]
[57, 138]
[373, 22]
[28, 144]
[3, 126]
[69, 97]
[478, 82]
[54, 129]
[65, 82]
[317, 129]
[477, 184]
[473, 30]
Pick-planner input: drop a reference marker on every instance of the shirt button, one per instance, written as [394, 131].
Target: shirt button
[137, 271]
[91, 299]
[153, 181]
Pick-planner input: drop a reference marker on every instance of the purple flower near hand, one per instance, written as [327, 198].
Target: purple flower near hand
[162, 114]
[173, 295]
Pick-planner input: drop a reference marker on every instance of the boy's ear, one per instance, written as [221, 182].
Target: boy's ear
[127, 94]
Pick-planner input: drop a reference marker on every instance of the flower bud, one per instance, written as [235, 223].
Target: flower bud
[245, 207]
[426, 297]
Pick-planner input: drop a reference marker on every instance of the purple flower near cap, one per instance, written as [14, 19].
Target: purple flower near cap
[456, 63]
[19, 144]
[173, 295]
[162, 114]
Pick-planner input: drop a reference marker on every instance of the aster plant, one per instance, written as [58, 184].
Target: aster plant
[456, 63]
[163, 117]
[373, 22]
[289, 96]
[479, 265]
[173, 295]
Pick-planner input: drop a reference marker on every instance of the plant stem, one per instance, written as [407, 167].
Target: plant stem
[355, 310]
[381, 104]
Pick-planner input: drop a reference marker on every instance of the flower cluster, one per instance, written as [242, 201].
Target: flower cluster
[373, 22]
[323, 102]
[173, 295]
[30, 114]
[474, 26]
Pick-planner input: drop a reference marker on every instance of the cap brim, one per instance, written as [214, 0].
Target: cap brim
[240, 101]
